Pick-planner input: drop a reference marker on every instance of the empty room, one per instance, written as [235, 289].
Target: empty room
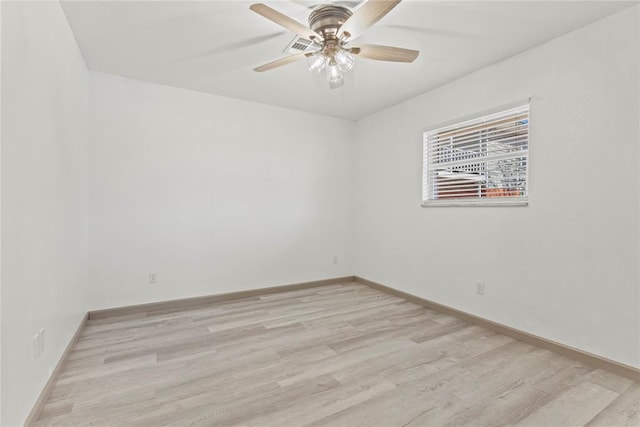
[351, 213]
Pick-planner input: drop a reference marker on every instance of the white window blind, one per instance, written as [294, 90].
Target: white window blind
[483, 161]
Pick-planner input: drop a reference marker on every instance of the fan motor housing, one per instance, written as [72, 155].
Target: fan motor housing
[327, 19]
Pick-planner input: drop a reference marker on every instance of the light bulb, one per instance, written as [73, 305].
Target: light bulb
[344, 60]
[316, 63]
[334, 76]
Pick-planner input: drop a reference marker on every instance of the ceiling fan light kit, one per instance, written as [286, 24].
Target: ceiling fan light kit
[334, 66]
[331, 30]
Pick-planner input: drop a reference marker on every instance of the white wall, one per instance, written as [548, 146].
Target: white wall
[213, 194]
[44, 196]
[565, 267]
[0, 215]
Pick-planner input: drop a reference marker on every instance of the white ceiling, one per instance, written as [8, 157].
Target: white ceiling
[213, 46]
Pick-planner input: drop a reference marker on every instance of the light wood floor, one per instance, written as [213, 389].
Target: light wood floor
[338, 355]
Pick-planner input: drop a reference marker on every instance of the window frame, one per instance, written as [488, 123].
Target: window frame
[475, 201]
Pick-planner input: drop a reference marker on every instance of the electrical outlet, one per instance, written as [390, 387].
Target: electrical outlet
[153, 278]
[480, 288]
[334, 259]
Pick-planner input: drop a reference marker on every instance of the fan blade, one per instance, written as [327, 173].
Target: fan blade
[385, 53]
[284, 21]
[281, 61]
[367, 15]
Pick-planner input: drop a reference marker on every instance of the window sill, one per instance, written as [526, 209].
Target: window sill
[476, 202]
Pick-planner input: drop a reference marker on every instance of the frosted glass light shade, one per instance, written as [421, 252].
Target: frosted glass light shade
[316, 63]
[334, 76]
[344, 60]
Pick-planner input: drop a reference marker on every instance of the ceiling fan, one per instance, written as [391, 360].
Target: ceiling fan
[331, 30]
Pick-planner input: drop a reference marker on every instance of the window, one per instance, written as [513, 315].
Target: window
[482, 161]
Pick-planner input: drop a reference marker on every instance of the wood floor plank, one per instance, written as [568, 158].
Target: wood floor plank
[336, 355]
[574, 407]
[624, 411]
